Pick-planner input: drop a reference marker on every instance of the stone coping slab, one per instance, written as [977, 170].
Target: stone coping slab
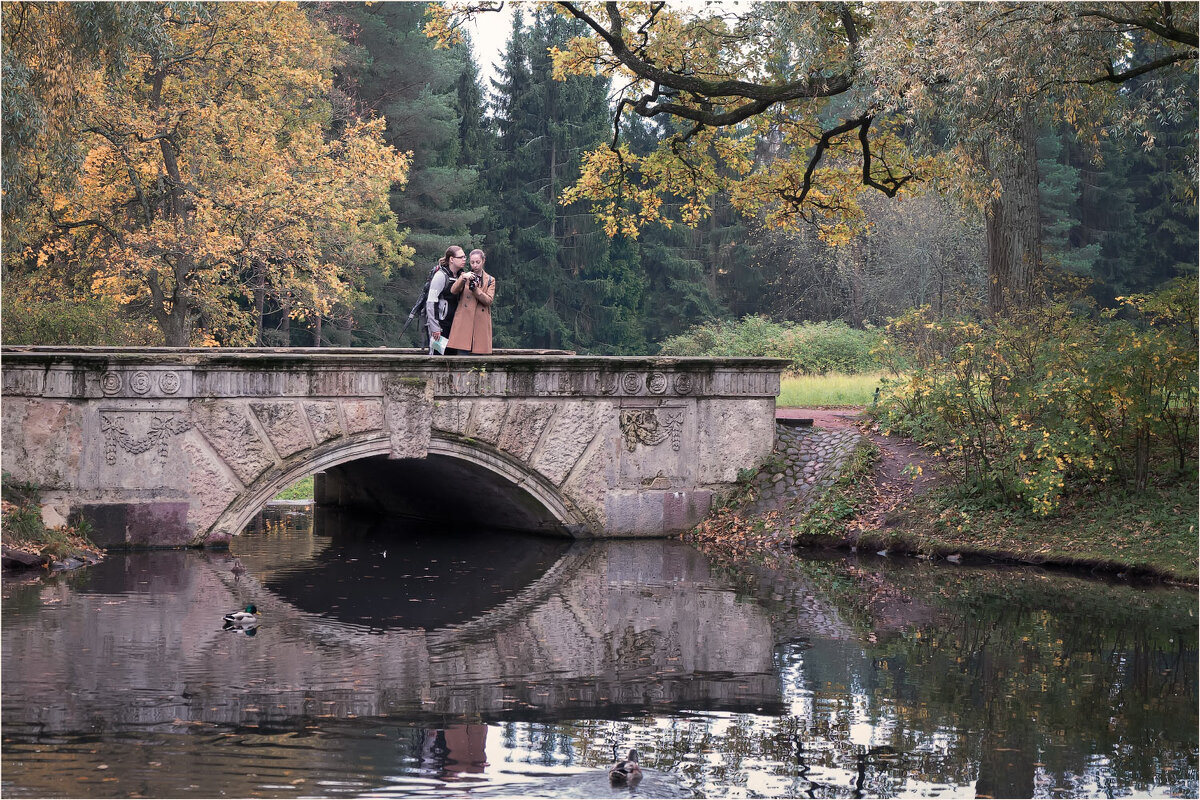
[407, 356]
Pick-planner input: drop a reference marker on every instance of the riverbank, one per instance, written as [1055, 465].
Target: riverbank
[892, 496]
[27, 546]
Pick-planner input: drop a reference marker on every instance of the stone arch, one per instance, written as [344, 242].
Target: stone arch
[234, 518]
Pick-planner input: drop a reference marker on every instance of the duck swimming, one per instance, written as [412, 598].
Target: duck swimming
[247, 617]
[626, 771]
[244, 630]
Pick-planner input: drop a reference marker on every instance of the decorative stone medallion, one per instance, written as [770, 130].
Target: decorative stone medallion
[169, 382]
[631, 383]
[140, 382]
[656, 383]
[110, 383]
[607, 383]
[683, 383]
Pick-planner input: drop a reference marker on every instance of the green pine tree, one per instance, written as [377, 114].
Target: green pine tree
[562, 282]
[421, 91]
[1064, 243]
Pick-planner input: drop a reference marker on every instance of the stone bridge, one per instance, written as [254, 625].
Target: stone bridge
[182, 447]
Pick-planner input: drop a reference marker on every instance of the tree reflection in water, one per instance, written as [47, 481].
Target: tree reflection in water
[791, 678]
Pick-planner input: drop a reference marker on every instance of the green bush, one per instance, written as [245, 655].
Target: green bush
[1050, 395]
[814, 348]
[28, 318]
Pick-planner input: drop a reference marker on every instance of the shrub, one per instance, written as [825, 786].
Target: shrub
[1025, 404]
[814, 348]
[29, 318]
[21, 522]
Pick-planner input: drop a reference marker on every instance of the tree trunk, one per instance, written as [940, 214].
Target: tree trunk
[317, 333]
[260, 293]
[1014, 249]
[553, 199]
[285, 326]
[285, 323]
[175, 322]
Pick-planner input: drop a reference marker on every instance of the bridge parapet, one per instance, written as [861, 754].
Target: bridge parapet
[171, 447]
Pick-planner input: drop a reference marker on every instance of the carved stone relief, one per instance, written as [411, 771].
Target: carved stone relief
[139, 382]
[169, 382]
[110, 382]
[651, 427]
[114, 426]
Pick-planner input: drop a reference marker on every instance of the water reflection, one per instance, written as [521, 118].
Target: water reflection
[794, 678]
[391, 574]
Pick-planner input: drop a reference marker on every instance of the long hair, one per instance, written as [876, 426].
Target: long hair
[451, 252]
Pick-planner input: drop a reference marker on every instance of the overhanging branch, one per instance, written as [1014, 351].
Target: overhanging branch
[1120, 77]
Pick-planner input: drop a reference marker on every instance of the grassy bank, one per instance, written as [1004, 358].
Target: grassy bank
[21, 525]
[1105, 528]
[300, 490]
[833, 390]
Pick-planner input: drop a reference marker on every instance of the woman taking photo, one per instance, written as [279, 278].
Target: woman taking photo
[472, 331]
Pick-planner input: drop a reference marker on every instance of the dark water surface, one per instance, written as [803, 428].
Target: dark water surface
[393, 660]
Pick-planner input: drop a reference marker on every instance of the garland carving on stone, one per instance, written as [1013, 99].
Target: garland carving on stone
[645, 426]
[161, 430]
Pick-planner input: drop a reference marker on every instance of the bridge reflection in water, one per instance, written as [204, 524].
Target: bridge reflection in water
[508, 664]
[439, 630]
[496, 625]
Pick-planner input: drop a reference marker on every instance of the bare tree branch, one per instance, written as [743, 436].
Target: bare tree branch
[613, 36]
[1120, 77]
[1165, 29]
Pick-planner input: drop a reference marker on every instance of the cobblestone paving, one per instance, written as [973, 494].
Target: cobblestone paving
[804, 463]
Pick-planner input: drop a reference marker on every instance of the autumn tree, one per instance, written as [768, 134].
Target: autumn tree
[842, 91]
[46, 48]
[213, 177]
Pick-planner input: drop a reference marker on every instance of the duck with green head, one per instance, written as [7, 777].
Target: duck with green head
[247, 617]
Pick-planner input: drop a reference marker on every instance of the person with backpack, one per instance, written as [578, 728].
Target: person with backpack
[473, 331]
[440, 303]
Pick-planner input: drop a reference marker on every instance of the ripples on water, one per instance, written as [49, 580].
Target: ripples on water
[400, 661]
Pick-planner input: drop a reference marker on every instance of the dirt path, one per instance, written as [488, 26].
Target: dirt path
[903, 470]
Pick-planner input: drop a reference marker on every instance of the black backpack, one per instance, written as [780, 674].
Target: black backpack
[419, 306]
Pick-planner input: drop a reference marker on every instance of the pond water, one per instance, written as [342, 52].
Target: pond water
[395, 660]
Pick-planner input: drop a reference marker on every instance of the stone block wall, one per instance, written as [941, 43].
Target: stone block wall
[174, 447]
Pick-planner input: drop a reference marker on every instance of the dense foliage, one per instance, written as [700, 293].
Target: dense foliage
[814, 348]
[796, 111]
[213, 176]
[1027, 404]
[249, 174]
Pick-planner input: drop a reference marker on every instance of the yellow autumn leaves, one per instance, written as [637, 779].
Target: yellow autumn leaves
[1024, 406]
[214, 170]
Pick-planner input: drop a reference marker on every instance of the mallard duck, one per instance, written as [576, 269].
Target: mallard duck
[626, 771]
[247, 617]
[237, 569]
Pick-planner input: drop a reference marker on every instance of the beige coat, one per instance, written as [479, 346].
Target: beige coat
[472, 329]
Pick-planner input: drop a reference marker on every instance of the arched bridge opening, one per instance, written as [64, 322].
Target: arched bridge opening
[452, 486]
